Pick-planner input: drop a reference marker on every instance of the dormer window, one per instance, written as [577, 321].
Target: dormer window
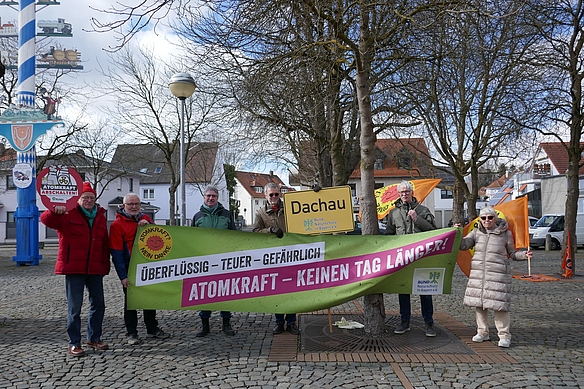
[258, 189]
[158, 170]
[378, 165]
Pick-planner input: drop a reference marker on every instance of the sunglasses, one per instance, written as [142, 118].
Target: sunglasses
[490, 217]
[274, 194]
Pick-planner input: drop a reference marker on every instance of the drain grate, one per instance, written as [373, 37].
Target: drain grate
[317, 338]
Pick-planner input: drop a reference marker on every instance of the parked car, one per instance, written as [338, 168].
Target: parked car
[358, 229]
[532, 220]
[553, 224]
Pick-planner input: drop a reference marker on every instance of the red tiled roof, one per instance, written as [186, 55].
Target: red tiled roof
[249, 180]
[498, 183]
[558, 155]
[7, 155]
[390, 150]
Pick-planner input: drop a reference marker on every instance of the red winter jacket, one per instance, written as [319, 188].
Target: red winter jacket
[82, 249]
[122, 234]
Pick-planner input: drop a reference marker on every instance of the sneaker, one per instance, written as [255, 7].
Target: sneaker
[293, 329]
[479, 338]
[504, 342]
[159, 334]
[430, 330]
[133, 339]
[402, 328]
[99, 345]
[278, 329]
[76, 351]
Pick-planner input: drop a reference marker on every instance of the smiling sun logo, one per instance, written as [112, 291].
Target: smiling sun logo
[154, 243]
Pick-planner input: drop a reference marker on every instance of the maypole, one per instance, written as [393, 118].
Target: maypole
[27, 212]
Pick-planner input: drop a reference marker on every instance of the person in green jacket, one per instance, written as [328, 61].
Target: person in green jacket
[213, 215]
[409, 217]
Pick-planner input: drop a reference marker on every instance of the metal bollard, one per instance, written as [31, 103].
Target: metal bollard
[548, 242]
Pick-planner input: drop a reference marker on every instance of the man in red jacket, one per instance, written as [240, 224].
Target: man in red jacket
[122, 233]
[84, 259]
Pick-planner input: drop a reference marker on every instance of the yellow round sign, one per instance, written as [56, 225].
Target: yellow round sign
[154, 243]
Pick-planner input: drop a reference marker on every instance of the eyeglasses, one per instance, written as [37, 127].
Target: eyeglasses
[490, 217]
[404, 192]
[210, 195]
[274, 194]
[133, 204]
[88, 198]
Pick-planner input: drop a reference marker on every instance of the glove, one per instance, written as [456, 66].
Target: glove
[278, 231]
[316, 187]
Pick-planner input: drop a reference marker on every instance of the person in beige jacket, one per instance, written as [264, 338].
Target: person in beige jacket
[270, 220]
[489, 282]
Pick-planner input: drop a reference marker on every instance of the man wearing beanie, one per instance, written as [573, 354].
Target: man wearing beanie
[213, 215]
[84, 259]
[270, 219]
[122, 234]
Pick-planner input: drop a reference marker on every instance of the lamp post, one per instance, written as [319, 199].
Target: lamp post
[182, 86]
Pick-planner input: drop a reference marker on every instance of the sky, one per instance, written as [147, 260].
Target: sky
[93, 46]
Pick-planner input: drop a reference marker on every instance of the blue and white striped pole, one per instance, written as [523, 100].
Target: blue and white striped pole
[27, 212]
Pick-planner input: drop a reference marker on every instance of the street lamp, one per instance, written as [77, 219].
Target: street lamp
[182, 86]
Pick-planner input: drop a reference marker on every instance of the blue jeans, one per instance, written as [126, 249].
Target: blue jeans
[290, 318]
[405, 307]
[207, 314]
[75, 285]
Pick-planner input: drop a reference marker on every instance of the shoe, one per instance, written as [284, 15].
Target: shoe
[99, 345]
[402, 328]
[159, 334]
[76, 351]
[205, 330]
[278, 329]
[227, 327]
[479, 338]
[293, 329]
[133, 339]
[504, 342]
[430, 330]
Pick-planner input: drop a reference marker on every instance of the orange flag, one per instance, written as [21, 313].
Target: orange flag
[388, 195]
[567, 260]
[515, 212]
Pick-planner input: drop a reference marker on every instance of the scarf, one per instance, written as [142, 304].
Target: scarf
[89, 215]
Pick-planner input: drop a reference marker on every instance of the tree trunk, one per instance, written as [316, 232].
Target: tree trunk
[374, 305]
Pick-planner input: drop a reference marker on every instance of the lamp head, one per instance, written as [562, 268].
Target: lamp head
[182, 85]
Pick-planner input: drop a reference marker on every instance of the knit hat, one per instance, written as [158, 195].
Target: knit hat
[87, 188]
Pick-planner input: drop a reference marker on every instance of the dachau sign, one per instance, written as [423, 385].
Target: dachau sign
[326, 211]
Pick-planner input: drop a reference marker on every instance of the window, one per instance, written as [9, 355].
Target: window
[446, 194]
[379, 185]
[144, 170]
[158, 170]
[10, 225]
[131, 184]
[378, 165]
[148, 194]
[10, 182]
[404, 159]
[258, 189]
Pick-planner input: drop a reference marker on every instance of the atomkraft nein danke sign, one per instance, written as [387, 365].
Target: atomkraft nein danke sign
[198, 268]
[326, 211]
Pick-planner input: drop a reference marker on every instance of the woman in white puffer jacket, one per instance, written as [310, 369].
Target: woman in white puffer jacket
[489, 283]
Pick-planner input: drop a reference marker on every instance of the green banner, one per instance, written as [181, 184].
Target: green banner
[198, 268]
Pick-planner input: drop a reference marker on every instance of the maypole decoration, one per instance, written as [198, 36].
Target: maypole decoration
[22, 125]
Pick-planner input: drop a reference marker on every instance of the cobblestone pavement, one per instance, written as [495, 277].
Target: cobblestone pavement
[547, 327]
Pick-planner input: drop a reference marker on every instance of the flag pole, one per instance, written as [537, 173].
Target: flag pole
[529, 262]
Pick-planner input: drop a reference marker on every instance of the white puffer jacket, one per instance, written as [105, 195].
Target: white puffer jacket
[489, 283]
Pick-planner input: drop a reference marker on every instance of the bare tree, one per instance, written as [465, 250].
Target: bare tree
[560, 61]
[472, 90]
[147, 112]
